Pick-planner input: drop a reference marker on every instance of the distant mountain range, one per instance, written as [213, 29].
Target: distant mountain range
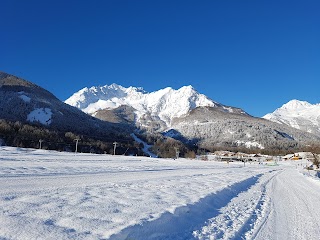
[298, 114]
[154, 110]
[187, 115]
[183, 114]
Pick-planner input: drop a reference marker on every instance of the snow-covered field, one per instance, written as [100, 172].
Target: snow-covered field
[53, 195]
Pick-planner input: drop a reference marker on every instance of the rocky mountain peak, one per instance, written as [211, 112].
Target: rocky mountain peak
[161, 106]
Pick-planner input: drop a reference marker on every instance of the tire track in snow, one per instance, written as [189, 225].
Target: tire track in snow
[186, 219]
[260, 214]
[240, 218]
[295, 212]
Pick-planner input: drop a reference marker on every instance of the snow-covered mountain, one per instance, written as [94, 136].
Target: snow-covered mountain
[218, 129]
[298, 114]
[183, 114]
[187, 115]
[25, 102]
[160, 106]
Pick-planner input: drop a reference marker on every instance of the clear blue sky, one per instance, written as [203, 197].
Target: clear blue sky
[252, 54]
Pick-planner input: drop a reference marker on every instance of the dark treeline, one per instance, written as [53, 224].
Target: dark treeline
[19, 134]
[165, 147]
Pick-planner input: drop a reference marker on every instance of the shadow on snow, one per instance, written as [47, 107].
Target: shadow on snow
[185, 219]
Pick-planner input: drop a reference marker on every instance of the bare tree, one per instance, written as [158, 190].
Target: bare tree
[316, 160]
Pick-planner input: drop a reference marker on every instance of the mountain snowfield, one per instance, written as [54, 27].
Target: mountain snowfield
[186, 115]
[163, 105]
[298, 114]
[60, 195]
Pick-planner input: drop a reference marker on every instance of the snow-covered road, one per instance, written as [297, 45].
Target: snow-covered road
[294, 211]
[52, 195]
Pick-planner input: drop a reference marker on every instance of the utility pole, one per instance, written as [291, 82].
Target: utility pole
[177, 152]
[244, 160]
[77, 140]
[114, 148]
[40, 142]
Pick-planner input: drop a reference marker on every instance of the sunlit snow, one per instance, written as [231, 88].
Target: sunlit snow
[249, 144]
[297, 114]
[166, 103]
[57, 195]
[42, 115]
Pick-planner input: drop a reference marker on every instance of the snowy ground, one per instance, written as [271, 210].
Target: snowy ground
[52, 195]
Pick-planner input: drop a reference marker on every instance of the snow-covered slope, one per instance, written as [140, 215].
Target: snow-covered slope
[162, 106]
[298, 114]
[222, 129]
[25, 102]
[191, 116]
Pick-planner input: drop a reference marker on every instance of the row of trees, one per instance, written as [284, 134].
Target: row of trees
[24, 135]
[19, 134]
[165, 147]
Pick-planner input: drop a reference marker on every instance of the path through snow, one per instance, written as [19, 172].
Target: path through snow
[294, 208]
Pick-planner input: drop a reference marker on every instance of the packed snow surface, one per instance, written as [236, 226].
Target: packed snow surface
[56, 195]
[42, 115]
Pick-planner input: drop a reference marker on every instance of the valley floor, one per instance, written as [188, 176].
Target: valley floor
[53, 195]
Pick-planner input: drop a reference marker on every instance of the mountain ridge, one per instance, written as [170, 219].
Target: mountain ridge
[183, 114]
[189, 116]
[163, 105]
